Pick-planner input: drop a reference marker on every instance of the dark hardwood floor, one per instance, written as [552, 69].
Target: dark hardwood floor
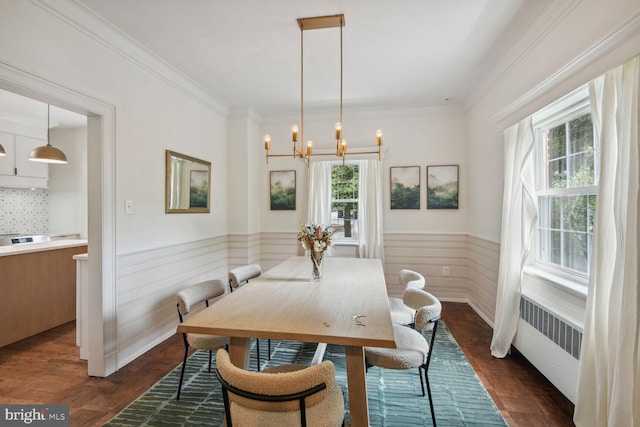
[45, 369]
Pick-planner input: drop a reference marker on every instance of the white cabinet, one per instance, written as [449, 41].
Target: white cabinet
[16, 170]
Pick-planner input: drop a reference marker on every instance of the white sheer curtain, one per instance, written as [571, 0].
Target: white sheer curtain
[519, 213]
[370, 209]
[319, 203]
[609, 374]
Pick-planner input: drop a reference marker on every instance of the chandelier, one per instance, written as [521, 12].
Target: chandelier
[297, 133]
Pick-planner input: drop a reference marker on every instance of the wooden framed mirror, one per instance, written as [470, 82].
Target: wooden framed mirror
[188, 183]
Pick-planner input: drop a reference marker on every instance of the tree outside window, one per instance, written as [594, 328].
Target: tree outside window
[344, 201]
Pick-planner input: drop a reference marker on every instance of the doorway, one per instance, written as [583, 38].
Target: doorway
[100, 215]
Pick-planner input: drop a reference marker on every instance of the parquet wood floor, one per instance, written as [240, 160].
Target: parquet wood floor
[46, 369]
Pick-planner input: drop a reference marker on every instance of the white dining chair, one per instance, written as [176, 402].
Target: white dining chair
[401, 313]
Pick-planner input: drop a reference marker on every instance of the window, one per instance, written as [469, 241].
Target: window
[567, 159]
[344, 202]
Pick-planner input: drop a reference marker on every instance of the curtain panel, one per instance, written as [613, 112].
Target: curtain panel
[319, 202]
[519, 215]
[371, 240]
[609, 377]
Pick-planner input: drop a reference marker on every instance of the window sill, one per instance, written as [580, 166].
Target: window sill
[576, 287]
[344, 243]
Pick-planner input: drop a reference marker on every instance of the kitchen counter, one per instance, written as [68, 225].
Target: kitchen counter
[38, 287]
[25, 248]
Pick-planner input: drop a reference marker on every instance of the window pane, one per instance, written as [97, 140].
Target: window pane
[582, 170]
[555, 249]
[581, 134]
[557, 142]
[556, 212]
[575, 247]
[558, 173]
[591, 211]
[575, 213]
[344, 206]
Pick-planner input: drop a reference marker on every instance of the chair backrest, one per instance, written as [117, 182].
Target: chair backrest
[198, 293]
[242, 274]
[268, 395]
[411, 279]
[428, 307]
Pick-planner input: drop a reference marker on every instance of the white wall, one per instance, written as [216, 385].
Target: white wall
[68, 184]
[155, 109]
[417, 137]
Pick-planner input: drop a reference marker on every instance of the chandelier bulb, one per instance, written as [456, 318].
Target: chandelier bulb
[267, 141]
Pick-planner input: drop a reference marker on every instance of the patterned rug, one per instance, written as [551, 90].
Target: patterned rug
[395, 398]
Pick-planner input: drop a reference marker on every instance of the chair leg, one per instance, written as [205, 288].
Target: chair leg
[210, 354]
[258, 352]
[269, 349]
[433, 414]
[184, 365]
[421, 382]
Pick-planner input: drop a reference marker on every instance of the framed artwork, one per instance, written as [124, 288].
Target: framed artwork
[187, 184]
[282, 190]
[405, 187]
[442, 187]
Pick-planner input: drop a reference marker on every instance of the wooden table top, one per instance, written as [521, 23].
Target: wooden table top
[283, 303]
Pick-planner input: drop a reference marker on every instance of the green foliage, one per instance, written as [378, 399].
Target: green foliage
[344, 185]
[403, 197]
[443, 196]
[283, 198]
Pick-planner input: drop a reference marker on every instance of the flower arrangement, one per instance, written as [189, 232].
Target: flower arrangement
[316, 240]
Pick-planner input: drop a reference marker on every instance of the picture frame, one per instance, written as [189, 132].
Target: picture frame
[282, 190]
[187, 184]
[404, 187]
[442, 186]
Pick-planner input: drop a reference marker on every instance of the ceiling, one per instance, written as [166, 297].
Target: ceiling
[246, 53]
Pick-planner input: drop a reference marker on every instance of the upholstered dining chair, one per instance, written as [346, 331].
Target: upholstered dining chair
[188, 299]
[238, 277]
[285, 395]
[401, 313]
[412, 349]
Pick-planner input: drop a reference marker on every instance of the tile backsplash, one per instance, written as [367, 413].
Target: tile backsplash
[24, 211]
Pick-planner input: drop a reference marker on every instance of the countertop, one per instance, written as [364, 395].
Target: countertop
[25, 248]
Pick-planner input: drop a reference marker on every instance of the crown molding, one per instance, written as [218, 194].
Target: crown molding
[542, 26]
[613, 40]
[94, 26]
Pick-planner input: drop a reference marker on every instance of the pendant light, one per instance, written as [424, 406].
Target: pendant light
[47, 153]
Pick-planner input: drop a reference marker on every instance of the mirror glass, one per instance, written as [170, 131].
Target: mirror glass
[187, 184]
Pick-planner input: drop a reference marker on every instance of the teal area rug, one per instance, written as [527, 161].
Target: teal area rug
[395, 397]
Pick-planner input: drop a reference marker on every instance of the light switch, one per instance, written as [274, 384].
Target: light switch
[128, 207]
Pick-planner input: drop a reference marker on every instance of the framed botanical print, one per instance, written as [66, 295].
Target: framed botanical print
[405, 187]
[442, 187]
[282, 190]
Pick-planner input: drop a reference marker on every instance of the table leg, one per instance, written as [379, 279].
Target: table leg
[357, 386]
[239, 351]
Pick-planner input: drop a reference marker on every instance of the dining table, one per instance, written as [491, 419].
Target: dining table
[348, 306]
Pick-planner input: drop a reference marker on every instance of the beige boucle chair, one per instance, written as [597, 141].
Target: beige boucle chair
[401, 313]
[286, 395]
[239, 276]
[412, 349]
[188, 299]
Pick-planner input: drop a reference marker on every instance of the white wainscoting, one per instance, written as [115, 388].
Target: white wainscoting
[483, 264]
[244, 249]
[147, 283]
[428, 254]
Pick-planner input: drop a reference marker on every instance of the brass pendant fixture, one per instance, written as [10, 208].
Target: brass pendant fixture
[47, 153]
[297, 133]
